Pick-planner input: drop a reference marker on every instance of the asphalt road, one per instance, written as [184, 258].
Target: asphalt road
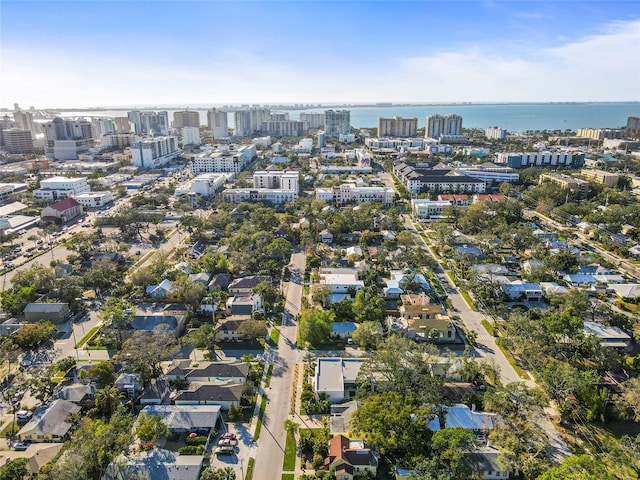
[272, 439]
[487, 349]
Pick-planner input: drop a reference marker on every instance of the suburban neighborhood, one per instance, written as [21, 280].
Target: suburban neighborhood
[302, 299]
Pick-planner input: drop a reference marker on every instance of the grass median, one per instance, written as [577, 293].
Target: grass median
[263, 406]
[289, 462]
[87, 337]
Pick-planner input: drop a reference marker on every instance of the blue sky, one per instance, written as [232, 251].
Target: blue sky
[88, 53]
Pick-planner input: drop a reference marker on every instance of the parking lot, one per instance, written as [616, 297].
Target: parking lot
[245, 449]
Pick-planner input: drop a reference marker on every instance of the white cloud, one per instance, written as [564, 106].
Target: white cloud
[603, 66]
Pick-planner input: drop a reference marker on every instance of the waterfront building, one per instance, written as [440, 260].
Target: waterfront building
[314, 121]
[24, 121]
[633, 123]
[437, 125]
[337, 122]
[186, 118]
[102, 126]
[284, 128]
[495, 133]
[397, 127]
[123, 125]
[600, 133]
[156, 123]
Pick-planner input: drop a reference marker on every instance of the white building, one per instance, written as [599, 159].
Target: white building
[190, 136]
[262, 141]
[347, 137]
[349, 193]
[119, 140]
[205, 184]
[429, 209]
[313, 120]
[218, 123]
[61, 187]
[490, 172]
[275, 196]
[305, 145]
[94, 199]
[223, 159]
[154, 152]
[542, 159]
[340, 282]
[496, 133]
[102, 126]
[336, 377]
[277, 179]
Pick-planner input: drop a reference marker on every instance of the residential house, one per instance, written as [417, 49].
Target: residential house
[341, 282]
[39, 311]
[220, 281]
[580, 279]
[460, 415]
[129, 383]
[49, 422]
[635, 251]
[401, 281]
[62, 211]
[245, 285]
[489, 269]
[161, 290]
[186, 418]
[208, 394]
[519, 290]
[155, 464]
[350, 458]
[78, 393]
[203, 372]
[156, 392]
[336, 377]
[202, 278]
[421, 319]
[626, 291]
[245, 304]
[550, 289]
[612, 337]
[326, 237]
[158, 322]
[175, 309]
[343, 330]
[530, 266]
[229, 329]
[340, 418]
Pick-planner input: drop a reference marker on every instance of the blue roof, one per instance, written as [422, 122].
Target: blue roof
[579, 278]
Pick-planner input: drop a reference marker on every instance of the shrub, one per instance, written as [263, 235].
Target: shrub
[191, 450]
[199, 440]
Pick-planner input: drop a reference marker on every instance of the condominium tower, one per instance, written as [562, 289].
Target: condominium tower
[397, 127]
[337, 122]
[443, 125]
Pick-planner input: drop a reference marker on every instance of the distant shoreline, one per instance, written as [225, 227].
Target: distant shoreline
[309, 106]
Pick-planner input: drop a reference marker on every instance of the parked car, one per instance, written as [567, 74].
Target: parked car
[229, 435]
[227, 442]
[226, 450]
[20, 446]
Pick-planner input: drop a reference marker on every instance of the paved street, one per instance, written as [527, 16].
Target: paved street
[272, 438]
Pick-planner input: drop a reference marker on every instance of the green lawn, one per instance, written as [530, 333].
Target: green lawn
[274, 335]
[511, 359]
[289, 463]
[87, 337]
[249, 475]
[489, 326]
[288, 476]
[9, 430]
[467, 298]
[263, 405]
[267, 381]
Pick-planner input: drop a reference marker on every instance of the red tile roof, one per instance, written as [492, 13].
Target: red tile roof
[64, 205]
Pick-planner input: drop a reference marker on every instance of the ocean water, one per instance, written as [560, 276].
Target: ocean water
[513, 117]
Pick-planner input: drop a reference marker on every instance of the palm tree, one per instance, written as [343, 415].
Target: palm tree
[107, 399]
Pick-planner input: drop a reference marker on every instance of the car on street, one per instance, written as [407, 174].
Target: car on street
[227, 442]
[27, 254]
[226, 450]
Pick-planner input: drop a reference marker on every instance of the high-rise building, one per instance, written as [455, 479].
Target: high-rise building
[495, 133]
[186, 118]
[337, 122]
[314, 120]
[321, 139]
[243, 123]
[123, 125]
[24, 120]
[437, 125]
[5, 124]
[397, 127]
[156, 123]
[190, 136]
[154, 152]
[258, 116]
[218, 123]
[633, 122]
[284, 128]
[17, 140]
[65, 139]
[102, 126]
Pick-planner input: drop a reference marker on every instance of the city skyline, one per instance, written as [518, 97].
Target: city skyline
[176, 53]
